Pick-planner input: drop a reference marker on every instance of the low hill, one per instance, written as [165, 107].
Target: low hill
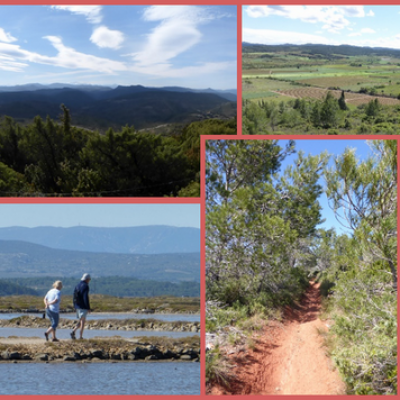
[156, 239]
[110, 285]
[22, 259]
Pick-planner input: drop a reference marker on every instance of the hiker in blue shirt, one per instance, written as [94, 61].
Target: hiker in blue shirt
[52, 302]
[81, 304]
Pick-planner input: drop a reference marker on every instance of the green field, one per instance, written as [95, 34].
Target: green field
[381, 73]
[289, 85]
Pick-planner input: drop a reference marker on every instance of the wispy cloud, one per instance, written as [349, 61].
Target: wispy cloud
[6, 37]
[367, 30]
[104, 37]
[268, 36]
[176, 33]
[66, 57]
[333, 18]
[91, 13]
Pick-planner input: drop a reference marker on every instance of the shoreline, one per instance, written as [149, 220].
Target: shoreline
[129, 324]
[36, 350]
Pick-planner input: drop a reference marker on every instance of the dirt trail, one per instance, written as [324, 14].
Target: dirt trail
[289, 358]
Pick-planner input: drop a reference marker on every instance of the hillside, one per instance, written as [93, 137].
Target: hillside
[322, 49]
[110, 285]
[125, 105]
[22, 259]
[130, 240]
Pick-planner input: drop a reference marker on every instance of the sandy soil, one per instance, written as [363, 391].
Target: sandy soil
[289, 358]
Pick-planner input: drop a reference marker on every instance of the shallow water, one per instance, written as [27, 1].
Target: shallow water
[100, 378]
[91, 316]
[90, 333]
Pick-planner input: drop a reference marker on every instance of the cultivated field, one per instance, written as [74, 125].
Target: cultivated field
[273, 74]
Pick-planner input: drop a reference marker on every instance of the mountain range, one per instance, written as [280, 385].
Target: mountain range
[154, 239]
[323, 49]
[97, 107]
[22, 259]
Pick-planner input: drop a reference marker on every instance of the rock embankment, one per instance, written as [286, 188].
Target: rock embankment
[131, 324]
[112, 350]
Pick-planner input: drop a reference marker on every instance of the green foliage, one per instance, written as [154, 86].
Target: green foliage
[49, 159]
[257, 221]
[364, 268]
[327, 116]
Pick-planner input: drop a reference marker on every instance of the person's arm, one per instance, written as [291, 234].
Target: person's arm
[85, 296]
[45, 302]
[49, 303]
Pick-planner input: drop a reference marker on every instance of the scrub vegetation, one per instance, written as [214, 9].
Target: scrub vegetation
[263, 246]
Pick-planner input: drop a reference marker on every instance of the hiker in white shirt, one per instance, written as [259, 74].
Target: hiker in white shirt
[52, 302]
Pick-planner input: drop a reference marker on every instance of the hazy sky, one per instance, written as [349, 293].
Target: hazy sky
[99, 215]
[374, 26]
[191, 46]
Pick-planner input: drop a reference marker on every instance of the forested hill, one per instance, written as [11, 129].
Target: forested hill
[138, 106]
[322, 49]
[110, 285]
[129, 240]
[22, 259]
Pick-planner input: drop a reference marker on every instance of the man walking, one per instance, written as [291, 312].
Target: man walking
[81, 304]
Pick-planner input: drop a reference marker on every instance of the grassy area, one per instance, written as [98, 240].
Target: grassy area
[381, 74]
[103, 303]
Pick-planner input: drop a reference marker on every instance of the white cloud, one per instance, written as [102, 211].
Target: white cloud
[354, 34]
[6, 37]
[367, 30]
[371, 13]
[333, 18]
[272, 37]
[65, 58]
[8, 63]
[92, 13]
[104, 37]
[176, 33]
[168, 71]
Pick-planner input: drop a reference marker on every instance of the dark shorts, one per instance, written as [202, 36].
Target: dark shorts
[53, 317]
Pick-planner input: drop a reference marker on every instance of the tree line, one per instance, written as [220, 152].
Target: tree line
[328, 116]
[46, 158]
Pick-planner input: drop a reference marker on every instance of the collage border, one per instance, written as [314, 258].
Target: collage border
[123, 200]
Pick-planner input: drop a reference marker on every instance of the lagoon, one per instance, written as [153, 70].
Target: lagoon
[100, 379]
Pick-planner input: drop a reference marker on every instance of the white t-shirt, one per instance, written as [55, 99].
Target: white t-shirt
[50, 296]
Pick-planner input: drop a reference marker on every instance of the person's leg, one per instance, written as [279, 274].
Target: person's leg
[82, 327]
[56, 318]
[78, 324]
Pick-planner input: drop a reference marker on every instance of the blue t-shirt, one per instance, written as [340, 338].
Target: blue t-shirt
[52, 295]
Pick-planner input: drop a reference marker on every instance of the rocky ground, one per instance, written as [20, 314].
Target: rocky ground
[100, 350]
[28, 321]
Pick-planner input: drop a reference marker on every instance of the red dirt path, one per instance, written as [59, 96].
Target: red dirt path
[288, 358]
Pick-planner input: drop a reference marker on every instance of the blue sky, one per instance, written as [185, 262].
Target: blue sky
[191, 46]
[99, 215]
[374, 26]
[334, 148]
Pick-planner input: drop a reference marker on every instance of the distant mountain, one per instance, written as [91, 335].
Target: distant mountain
[100, 108]
[22, 259]
[323, 49]
[156, 239]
